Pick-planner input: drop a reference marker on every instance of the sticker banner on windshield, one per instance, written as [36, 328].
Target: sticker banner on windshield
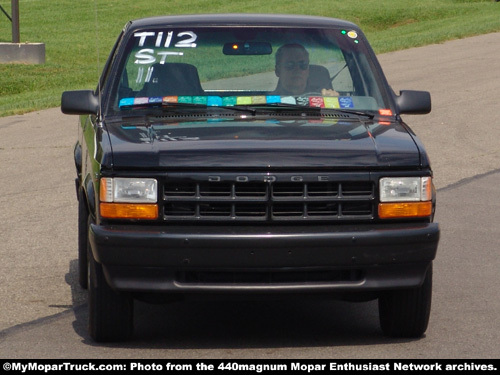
[214, 101]
[317, 101]
[331, 102]
[217, 101]
[228, 100]
[346, 102]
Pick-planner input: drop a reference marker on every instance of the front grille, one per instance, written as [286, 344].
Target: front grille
[262, 198]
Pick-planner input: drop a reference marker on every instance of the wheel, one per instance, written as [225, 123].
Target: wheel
[110, 312]
[405, 313]
[83, 239]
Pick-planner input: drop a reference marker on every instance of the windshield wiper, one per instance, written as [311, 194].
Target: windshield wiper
[305, 109]
[288, 106]
[188, 106]
[351, 112]
[161, 105]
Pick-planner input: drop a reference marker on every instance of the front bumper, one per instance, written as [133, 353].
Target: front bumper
[201, 259]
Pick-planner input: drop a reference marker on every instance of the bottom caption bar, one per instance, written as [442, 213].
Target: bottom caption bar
[248, 366]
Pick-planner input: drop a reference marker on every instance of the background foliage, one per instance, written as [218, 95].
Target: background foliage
[79, 34]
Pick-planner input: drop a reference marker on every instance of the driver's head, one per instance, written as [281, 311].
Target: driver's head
[292, 68]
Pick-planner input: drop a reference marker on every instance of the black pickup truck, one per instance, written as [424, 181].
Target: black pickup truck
[251, 154]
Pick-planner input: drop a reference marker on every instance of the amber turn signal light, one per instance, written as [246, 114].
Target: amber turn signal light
[129, 211]
[404, 210]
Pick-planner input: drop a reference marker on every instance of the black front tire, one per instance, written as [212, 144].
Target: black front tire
[405, 313]
[110, 312]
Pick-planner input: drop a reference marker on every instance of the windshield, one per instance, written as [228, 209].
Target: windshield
[247, 66]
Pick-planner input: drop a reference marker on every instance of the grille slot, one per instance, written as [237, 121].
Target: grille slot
[316, 189]
[269, 277]
[256, 200]
[250, 189]
[350, 189]
[180, 189]
[288, 189]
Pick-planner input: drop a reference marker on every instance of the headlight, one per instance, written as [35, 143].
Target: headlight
[405, 189]
[405, 197]
[128, 198]
[128, 190]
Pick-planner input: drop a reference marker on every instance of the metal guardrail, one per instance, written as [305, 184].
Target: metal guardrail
[14, 19]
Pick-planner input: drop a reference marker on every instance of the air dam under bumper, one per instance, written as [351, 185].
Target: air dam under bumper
[188, 259]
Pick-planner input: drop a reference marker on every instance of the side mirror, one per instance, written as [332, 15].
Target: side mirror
[414, 102]
[81, 102]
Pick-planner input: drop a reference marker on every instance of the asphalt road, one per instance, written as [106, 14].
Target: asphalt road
[43, 311]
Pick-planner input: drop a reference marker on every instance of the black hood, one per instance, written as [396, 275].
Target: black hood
[262, 144]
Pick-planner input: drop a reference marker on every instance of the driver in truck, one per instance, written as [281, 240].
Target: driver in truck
[293, 70]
